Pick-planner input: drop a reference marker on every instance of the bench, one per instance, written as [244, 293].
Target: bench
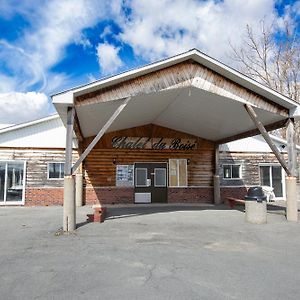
[98, 215]
[233, 201]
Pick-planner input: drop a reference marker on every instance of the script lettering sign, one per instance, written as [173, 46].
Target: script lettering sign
[124, 142]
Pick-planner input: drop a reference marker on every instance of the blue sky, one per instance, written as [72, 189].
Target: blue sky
[49, 46]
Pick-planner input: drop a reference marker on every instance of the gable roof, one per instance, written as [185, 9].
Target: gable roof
[66, 97]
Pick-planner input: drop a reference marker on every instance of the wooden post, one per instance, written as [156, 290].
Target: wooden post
[217, 196]
[100, 134]
[69, 210]
[291, 181]
[267, 138]
[291, 147]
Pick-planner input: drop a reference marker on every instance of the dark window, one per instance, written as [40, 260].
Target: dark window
[56, 170]
[231, 171]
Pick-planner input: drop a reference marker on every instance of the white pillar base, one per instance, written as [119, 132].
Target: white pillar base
[256, 212]
[79, 189]
[291, 199]
[69, 216]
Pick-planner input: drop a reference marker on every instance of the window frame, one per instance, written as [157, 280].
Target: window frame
[54, 162]
[22, 201]
[231, 165]
[130, 183]
[177, 172]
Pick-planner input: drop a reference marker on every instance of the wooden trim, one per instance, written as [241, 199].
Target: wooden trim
[253, 132]
[181, 75]
[267, 138]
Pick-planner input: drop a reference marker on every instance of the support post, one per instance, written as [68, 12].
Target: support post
[69, 210]
[79, 186]
[100, 134]
[217, 196]
[267, 138]
[291, 181]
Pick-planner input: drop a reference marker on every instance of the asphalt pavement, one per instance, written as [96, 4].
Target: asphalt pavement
[169, 252]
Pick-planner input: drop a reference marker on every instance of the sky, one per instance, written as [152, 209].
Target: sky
[50, 46]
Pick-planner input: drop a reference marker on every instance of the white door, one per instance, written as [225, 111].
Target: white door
[12, 183]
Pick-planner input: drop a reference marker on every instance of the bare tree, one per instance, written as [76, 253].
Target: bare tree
[272, 57]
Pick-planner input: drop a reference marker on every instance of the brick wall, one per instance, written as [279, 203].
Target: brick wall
[235, 192]
[125, 195]
[44, 196]
[191, 195]
[108, 195]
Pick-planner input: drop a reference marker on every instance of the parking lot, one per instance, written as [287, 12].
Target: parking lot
[169, 252]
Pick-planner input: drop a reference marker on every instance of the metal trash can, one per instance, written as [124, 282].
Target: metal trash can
[256, 205]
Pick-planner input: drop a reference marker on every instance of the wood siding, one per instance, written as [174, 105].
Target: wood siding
[182, 75]
[37, 164]
[249, 162]
[100, 169]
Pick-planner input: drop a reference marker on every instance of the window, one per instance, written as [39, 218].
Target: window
[178, 172]
[124, 175]
[231, 171]
[56, 170]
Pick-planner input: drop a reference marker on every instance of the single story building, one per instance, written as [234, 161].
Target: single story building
[32, 159]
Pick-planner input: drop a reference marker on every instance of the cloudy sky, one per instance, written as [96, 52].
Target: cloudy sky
[49, 46]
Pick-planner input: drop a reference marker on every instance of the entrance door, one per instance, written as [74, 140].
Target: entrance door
[150, 182]
[273, 176]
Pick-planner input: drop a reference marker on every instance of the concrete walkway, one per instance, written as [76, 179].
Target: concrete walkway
[188, 252]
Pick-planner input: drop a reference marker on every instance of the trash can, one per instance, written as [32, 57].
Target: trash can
[256, 205]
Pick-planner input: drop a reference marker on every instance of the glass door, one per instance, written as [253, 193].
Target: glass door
[12, 183]
[272, 175]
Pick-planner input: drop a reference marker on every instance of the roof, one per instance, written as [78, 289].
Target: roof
[190, 92]
[48, 132]
[193, 54]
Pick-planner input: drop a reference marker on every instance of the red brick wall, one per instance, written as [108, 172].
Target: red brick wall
[125, 195]
[235, 192]
[191, 195]
[43, 196]
[109, 195]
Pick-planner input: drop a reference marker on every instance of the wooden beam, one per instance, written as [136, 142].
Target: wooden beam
[291, 147]
[253, 132]
[267, 138]
[100, 134]
[69, 140]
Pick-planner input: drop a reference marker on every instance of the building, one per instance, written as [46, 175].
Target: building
[148, 135]
[32, 157]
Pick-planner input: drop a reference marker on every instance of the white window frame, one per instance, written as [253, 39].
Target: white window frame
[54, 162]
[186, 172]
[22, 202]
[236, 178]
[283, 174]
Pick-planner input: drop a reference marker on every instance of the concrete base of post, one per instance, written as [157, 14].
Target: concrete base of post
[79, 189]
[69, 215]
[256, 212]
[217, 196]
[291, 199]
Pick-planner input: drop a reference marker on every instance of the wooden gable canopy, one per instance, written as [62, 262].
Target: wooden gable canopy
[186, 94]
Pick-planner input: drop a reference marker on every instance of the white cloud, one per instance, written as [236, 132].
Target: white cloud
[162, 28]
[108, 58]
[21, 107]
